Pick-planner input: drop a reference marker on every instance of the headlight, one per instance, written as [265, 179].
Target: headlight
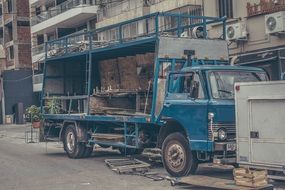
[222, 134]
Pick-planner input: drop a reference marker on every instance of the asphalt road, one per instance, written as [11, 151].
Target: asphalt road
[36, 166]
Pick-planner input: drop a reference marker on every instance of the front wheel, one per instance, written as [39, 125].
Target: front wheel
[177, 156]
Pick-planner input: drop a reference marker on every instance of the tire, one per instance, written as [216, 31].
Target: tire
[177, 157]
[88, 152]
[72, 147]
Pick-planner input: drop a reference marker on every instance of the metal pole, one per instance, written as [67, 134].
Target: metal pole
[3, 101]
[31, 140]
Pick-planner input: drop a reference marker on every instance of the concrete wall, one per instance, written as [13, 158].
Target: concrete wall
[18, 88]
[129, 9]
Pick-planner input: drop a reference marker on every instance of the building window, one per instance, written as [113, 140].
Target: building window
[38, 10]
[10, 6]
[11, 52]
[40, 39]
[8, 32]
[1, 10]
[226, 8]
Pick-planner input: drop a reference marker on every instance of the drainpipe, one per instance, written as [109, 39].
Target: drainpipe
[3, 101]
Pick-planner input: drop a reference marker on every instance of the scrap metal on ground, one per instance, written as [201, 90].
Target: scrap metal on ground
[127, 165]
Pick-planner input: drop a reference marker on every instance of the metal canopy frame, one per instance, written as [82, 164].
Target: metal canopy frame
[151, 37]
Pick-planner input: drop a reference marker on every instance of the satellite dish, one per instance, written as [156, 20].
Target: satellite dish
[230, 32]
[271, 23]
[198, 32]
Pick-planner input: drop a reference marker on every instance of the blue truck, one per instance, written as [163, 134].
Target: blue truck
[169, 87]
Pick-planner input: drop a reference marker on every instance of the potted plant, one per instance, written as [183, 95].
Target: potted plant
[34, 113]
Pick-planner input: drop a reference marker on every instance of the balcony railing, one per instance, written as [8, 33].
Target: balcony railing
[265, 6]
[63, 7]
[38, 49]
[73, 39]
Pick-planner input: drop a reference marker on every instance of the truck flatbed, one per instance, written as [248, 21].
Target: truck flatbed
[138, 118]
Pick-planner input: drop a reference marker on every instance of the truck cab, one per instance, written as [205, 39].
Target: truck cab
[201, 99]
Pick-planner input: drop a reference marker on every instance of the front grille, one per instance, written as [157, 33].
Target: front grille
[231, 130]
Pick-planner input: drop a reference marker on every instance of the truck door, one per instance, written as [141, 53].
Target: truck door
[185, 102]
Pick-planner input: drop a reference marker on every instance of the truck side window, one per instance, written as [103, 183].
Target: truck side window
[186, 84]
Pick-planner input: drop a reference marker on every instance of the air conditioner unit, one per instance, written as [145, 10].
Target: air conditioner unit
[236, 31]
[275, 22]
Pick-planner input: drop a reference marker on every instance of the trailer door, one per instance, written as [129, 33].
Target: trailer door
[260, 115]
[267, 129]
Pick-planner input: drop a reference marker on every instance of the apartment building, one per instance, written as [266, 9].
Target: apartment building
[255, 31]
[255, 27]
[16, 64]
[53, 19]
[112, 12]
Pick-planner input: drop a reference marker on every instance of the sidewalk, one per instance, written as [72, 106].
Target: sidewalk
[15, 131]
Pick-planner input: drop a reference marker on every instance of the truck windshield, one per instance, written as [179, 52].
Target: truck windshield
[222, 82]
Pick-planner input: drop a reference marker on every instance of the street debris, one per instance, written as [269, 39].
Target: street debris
[153, 154]
[133, 166]
[250, 178]
[127, 165]
[212, 182]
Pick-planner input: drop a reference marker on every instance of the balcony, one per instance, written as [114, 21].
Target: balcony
[67, 14]
[265, 7]
[38, 82]
[38, 53]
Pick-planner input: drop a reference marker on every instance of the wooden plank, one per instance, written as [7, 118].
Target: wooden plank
[109, 74]
[128, 72]
[108, 137]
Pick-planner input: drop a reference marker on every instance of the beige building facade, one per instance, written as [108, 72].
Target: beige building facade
[255, 33]
[53, 19]
[250, 42]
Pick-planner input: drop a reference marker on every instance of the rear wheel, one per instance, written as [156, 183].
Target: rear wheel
[177, 156]
[72, 147]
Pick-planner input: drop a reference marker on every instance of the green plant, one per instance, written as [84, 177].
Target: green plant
[52, 106]
[34, 113]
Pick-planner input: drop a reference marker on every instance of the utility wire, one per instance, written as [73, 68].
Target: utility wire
[17, 80]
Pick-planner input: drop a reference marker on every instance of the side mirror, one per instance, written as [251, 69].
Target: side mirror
[194, 93]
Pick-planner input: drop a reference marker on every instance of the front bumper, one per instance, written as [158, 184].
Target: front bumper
[225, 146]
[224, 152]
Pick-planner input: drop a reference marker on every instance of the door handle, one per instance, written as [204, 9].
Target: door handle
[254, 134]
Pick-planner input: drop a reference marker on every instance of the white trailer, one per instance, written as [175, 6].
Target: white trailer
[260, 122]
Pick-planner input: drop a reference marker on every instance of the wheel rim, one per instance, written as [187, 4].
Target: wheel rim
[70, 141]
[176, 157]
